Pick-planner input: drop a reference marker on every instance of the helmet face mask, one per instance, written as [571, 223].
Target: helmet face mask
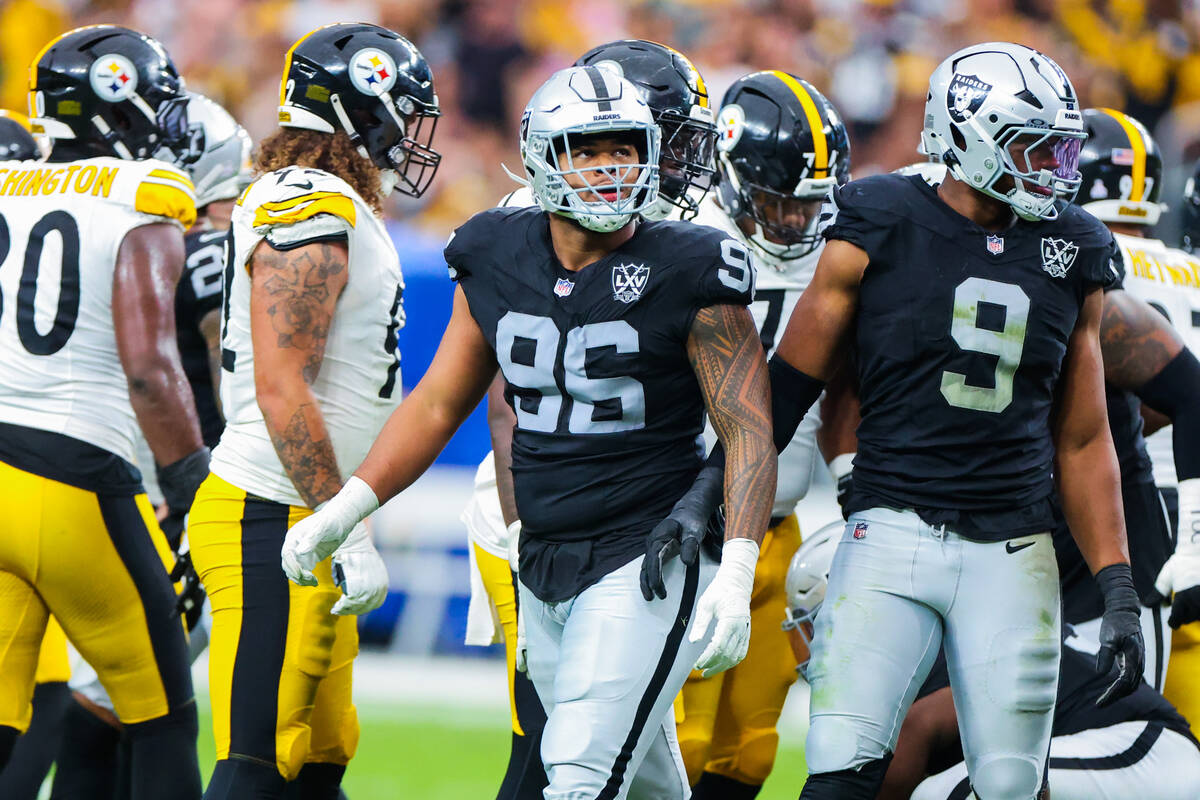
[586, 101]
[678, 99]
[805, 586]
[221, 168]
[1005, 120]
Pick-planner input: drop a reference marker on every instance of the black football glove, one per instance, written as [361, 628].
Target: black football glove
[682, 532]
[1120, 633]
[191, 594]
[180, 480]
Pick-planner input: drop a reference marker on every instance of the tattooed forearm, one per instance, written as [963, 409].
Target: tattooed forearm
[1135, 340]
[297, 285]
[729, 363]
[307, 455]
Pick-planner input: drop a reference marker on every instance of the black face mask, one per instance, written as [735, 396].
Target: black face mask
[187, 143]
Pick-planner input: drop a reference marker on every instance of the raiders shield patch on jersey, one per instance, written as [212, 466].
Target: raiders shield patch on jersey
[1058, 255]
[965, 95]
[629, 281]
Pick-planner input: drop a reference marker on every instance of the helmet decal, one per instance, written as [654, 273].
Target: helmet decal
[113, 77]
[730, 124]
[372, 71]
[965, 95]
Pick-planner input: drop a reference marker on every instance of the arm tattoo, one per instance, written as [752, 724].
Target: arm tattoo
[309, 462]
[296, 283]
[1136, 341]
[727, 357]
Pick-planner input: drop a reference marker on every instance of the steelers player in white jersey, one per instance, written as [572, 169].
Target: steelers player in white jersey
[1122, 169]
[93, 248]
[35, 749]
[678, 99]
[310, 372]
[781, 147]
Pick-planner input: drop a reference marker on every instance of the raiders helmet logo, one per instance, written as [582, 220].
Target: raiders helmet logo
[965, 95]
[629, 281]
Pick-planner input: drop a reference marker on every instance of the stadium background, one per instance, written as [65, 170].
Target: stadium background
[434, 711]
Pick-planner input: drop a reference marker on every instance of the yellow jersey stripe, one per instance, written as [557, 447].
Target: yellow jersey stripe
[287, 63]
[286, 213]
[162, 200]
[1138, 145]
[284, 205]
[172, 175]
[820, 145]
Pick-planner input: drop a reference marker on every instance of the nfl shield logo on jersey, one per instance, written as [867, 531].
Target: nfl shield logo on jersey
[995, 245]
[629, 281]
[563, 287]
[1058, 255]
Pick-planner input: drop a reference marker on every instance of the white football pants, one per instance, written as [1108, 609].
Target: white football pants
[898, 590]
[607, 666]
[1126, 761]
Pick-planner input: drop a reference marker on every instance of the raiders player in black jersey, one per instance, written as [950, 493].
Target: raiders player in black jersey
[614, 337]
[975, 310]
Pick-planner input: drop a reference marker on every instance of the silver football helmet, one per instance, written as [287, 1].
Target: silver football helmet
[222, 169]
[588, 100]
[989, 107]
[807, 579]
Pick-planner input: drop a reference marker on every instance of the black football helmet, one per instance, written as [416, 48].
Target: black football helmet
[373, 84]
[1191, 211]
[781, 145]
[678, 99]
[16, 142]
[112, 92]
[1121, 168]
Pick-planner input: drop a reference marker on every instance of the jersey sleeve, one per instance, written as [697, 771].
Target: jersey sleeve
[166, 193]
[1100, 261]
[725, 271]
[853, 217]
[296, 207]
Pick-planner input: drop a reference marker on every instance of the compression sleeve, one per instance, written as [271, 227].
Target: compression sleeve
[1175, 391]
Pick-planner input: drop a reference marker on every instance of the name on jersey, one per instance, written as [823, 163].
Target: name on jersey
[96, 181]
[1184, 271]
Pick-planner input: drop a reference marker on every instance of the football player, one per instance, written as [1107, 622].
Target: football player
[35, 749]
[311, 307]
[975, 309]
[782, 148]
[678, 99]
[614, 335]
[99, 229]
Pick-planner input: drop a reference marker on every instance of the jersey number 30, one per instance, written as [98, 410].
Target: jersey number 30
[536, 373]
[1005, 344]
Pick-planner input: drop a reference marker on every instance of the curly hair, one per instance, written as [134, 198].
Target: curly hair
[333, 153]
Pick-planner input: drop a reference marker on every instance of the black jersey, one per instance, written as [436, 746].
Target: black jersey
[960, 338]
[1079, 687]
[198, 293]
[609, 413]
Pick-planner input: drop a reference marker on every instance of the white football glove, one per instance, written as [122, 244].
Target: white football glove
[1181, 574]
[521, 660]
[727, 599]
[360, 573]
[315, 537]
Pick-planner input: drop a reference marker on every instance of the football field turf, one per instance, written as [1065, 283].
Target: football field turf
[436, 753]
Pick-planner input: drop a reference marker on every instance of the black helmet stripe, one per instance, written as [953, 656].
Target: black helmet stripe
[603, 98]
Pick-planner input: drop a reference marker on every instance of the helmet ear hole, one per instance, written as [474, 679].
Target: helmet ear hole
[957, 138]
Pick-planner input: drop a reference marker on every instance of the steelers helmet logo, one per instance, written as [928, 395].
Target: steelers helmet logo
[730, 124]
[113, 77]
[372, 71]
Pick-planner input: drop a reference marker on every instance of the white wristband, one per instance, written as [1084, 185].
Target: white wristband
[353, 503]
[514, 537]
[738, 560]
[1189, 516]
[841, 466]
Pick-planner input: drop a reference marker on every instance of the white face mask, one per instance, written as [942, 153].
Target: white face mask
[388, 178]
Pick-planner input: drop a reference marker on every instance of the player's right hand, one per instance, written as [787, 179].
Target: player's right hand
[682, 532]
[522, 664]
[359, 571]
[314, 538]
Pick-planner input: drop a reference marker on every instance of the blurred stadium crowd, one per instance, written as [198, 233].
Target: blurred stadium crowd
[871, 57]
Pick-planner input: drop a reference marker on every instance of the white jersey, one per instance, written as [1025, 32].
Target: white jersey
[777, 288]
[1169, 280]
[358, 385]
[61, 225]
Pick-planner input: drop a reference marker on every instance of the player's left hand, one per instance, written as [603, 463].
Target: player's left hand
[1120, 633]
[314, 538]
[360, 573]
[682, 532]
[727, 599]
[190, 602]
[1181, 574]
